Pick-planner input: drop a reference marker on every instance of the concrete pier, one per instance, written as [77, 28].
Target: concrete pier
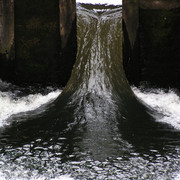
[6, 37]
[151, 46]
[40, 31]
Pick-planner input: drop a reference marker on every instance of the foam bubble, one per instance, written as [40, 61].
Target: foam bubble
[63, 177]
[166, 103]
[10, 105]
[177, 176]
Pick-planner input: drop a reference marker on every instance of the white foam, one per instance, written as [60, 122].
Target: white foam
[176, 176]
[10, 106]
[166, 103]
[108, 2]
[63, 177]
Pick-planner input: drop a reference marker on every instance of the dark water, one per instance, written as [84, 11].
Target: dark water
[97, 128]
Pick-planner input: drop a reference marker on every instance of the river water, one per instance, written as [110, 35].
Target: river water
[97, 127]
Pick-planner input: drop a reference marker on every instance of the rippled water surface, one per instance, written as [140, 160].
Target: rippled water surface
[98, 127]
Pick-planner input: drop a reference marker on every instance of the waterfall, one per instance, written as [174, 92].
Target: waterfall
[98, 127]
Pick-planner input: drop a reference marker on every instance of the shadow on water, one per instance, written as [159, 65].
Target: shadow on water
[97, 114]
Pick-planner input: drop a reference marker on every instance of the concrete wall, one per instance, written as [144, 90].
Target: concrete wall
[157, 42]
[68, 34]
[6, 36]
[41, 33]
[131, 40]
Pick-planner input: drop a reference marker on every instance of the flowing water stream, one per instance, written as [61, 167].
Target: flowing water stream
[98, 127]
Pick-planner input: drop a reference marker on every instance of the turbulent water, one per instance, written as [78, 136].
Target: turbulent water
[106, 2]
[97, 127]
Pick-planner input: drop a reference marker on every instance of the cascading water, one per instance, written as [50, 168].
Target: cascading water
[96, 128]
